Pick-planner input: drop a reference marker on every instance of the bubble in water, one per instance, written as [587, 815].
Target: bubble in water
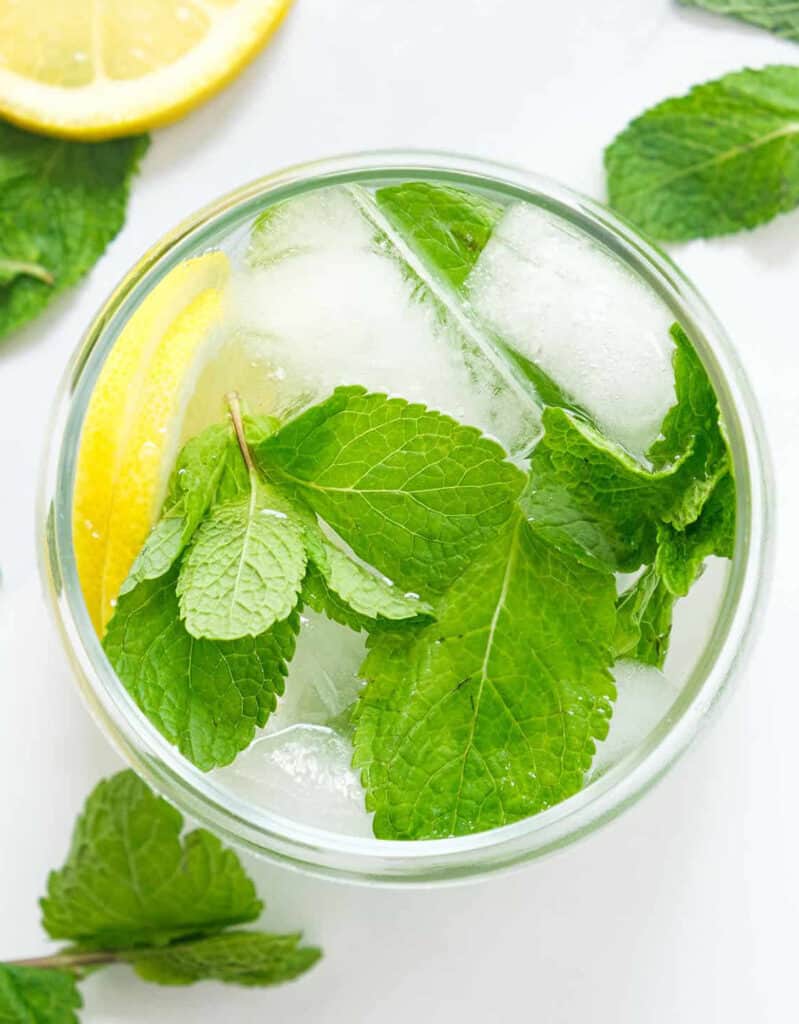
[645, 695]
[576, 311]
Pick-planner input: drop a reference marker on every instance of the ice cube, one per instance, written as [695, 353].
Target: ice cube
[331, 296]
[303, 773]
[574, 309]
[323, 680]
[645, 695]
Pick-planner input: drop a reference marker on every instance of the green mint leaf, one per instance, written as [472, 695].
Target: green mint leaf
[191, 491]
[209, 468]
[691, 432]
[588, 495]
[681, 553]
[206, 696]
[490, 713]
[722, 158]
[61, 203]
[446, 226]
[234, 957]
[244, 569]
[779, 16]
[643, 622]
[367, 594]
[413, 493]
[31, 995]
[129, 880]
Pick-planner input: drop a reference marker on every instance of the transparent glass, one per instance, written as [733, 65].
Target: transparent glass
[366, 859]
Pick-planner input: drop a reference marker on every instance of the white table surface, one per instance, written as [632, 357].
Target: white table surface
[685, 909]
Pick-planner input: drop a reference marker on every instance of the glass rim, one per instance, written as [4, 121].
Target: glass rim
[421, 861]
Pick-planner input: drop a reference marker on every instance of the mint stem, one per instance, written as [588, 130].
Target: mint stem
[67, 961]
[234, 404]
[15, 267]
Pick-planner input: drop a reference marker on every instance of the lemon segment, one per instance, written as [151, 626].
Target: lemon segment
[95, 69]
[133, 425]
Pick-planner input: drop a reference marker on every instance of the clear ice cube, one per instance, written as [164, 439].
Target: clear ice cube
[323, 680]
[575, 310]
[645, 695]
[330, 296]
[303, 773]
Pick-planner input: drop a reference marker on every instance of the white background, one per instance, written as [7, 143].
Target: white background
[684, 910]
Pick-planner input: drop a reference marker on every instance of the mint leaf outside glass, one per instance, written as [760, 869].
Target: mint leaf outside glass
[778, 16]
[30, 995]
[483, 717]
[135, 890]
[61, 203]
[723, 158]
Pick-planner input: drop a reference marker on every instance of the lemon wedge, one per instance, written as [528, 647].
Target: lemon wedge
[94, 69]
[132, 428]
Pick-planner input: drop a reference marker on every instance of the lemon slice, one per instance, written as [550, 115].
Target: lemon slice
[132, 428]
[93, 69]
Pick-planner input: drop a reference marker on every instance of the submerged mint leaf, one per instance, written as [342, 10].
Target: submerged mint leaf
[722, 158]
[61, 203]
[643, 623]
[448, 227]
[233, 957]
[586, 494]
[206, 696]
[413, 492]
[129, 880]
[490, 713]
[244, 569]
[30, 995]
[778, 16]
[681, 553]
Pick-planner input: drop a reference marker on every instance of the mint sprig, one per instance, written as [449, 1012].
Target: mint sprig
[720, 159]
[133, 890]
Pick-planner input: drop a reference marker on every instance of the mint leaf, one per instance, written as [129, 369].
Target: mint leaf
[413, 493]
[643, 623]
[234, 957]
[681, 553]
[590, 498]
[691, 432]
[129, 880]
[61, 203]
[490, 713]
[244, 569]
[31, 995]
[192, 490]
[206, 696]
[367, 594]
[722, 158]
[448, 227]
[779, 16]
